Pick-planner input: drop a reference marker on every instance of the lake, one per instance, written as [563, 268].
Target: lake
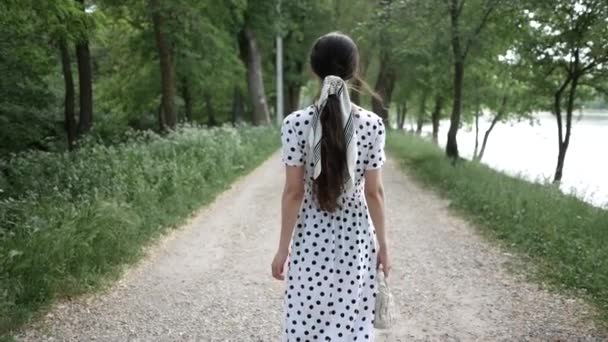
[530, 151]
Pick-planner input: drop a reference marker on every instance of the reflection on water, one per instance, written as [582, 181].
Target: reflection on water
[530, 151]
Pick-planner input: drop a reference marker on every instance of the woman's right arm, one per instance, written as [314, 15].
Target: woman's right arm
[293, 194]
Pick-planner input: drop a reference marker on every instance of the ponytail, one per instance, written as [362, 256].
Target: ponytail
[329, 185]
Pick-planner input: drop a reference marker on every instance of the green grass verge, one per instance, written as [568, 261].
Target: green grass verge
[566, 239]
[69, 222]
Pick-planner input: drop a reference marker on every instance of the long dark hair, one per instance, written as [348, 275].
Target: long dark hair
[333, 54]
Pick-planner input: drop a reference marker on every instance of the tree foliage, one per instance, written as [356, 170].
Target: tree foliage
[427, 60]
[565, 48]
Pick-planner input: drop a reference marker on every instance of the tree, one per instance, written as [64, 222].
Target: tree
[70, 121]
[402, 109]
[462, 41]
[256, 30]
[67, 23]
[498, 116]
[128, 79]
[85, 77]
[35, 60]
[422, 114]
[167, 69]
[252, 57]
[29, 108]
[301, 23]
[436, 115]
[566, 50]
[385, 81]
[417, 59]
[206, 56]
[354, 17]
[502, 94]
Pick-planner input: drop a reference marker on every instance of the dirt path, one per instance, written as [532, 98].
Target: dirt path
[210, 280]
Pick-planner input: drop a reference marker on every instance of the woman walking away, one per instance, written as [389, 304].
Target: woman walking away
[332, 208]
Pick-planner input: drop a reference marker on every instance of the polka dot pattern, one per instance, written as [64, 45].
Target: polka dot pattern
[330, 283]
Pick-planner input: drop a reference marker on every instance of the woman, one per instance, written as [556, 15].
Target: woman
[332, 207]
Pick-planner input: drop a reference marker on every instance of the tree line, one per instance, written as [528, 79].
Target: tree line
[75, 68]
[73, 65]
[510, 59]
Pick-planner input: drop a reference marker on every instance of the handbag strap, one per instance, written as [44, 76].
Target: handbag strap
[382, 278]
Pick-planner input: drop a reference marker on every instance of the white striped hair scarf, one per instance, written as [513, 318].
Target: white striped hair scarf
[334, 85]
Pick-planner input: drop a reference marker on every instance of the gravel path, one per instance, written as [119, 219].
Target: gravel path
[210, 281]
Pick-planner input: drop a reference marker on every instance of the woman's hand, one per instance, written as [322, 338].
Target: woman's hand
[278, 264]
[383, 260]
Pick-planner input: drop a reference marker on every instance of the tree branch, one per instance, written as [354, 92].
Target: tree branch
[557, 108]
[460, 7]
[595, 63]
[551, 70]
[596, 87]
[489, 6]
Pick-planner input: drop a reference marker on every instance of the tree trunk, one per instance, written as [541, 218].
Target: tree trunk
[167, 70]
[210, 110]
[419, 123]
[357, 82]
[476, 149]
[477, 115]
[399, 114]
[421, 112]
[386, 74]
[252, 57]
[452, 144]
[384, 88]
[187, 98]
[355, 94]
[292, 97]
[495, 120]
[559, 169]
[460, 52]
[436, 116]
[161, 118]
[402, 113]
[486, 136]
[451, 147]
[85, 83]
[237, 105]
[69, 120]
[564, 141]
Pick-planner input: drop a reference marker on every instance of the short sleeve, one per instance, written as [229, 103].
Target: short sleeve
[291, 150]
[376, 156]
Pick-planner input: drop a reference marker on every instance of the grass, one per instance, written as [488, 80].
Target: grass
[70, 222]
[564, 237]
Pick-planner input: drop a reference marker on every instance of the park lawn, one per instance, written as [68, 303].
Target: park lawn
[70, 222]
[565, 239]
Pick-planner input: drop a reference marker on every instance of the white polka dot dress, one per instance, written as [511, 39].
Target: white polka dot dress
[331, 278]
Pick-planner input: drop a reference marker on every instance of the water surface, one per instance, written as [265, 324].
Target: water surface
[530, 151]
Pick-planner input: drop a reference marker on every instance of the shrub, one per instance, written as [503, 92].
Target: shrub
[565, 236]
[70, 220]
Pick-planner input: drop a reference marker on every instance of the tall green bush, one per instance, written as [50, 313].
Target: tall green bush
[70, 220]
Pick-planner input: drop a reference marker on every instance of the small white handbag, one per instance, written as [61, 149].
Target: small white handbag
[384, 315]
